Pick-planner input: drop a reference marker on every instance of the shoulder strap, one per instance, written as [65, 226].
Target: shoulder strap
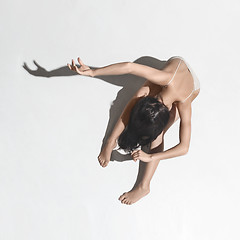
[175, 71]
[187, 96]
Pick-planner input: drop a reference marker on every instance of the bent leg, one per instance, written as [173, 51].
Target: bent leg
[147, 169]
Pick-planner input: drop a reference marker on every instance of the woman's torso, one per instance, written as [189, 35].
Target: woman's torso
[181, 84]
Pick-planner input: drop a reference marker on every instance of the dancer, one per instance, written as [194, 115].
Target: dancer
[165, 97]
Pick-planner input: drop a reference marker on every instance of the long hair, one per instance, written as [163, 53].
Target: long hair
[147, 120]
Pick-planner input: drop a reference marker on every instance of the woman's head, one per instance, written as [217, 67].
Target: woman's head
[147, 120]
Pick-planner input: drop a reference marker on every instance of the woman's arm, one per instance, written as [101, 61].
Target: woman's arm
[153, 75]
[113, 69]
[184, 137]
[156, 76]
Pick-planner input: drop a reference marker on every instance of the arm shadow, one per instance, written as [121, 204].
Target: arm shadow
[129, 83]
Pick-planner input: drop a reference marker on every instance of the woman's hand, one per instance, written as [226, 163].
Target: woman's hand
[140, 155]
[83, 70]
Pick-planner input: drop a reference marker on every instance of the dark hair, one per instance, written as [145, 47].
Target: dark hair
[147, 120]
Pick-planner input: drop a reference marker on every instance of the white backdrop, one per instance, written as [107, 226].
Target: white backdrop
[51, 128]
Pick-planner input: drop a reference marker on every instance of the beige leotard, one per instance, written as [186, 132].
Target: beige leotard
[195, 79]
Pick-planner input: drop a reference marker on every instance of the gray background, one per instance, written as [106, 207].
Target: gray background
[51, 128]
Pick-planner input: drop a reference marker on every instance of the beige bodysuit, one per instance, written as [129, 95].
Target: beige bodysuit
[196, 82]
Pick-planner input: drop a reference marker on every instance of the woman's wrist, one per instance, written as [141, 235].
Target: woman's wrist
[154, 156]
[93, 74]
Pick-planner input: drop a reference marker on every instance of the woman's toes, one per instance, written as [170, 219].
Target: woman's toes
[121, 197]
[105, 164]
[101, 161]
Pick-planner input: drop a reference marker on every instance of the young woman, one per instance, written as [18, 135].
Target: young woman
[165, 97]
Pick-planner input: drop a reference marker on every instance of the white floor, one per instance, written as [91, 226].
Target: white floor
[51, 184]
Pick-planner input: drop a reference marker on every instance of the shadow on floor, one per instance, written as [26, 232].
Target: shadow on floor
[129, 83]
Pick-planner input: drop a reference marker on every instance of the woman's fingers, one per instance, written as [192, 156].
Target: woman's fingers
[135, 155]
[71, 67]
[76, 69]
[134, 152]
[83, 67]
[80, 61]
[73, 63]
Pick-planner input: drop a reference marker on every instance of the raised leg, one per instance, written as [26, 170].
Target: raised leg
[146, 170]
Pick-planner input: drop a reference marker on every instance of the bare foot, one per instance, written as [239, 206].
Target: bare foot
[105, 155]
[134, 195]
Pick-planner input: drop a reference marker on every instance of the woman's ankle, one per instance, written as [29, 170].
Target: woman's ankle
[111, 143]
[144, 185]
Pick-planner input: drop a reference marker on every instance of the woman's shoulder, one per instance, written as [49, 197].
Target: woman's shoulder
[176, 57]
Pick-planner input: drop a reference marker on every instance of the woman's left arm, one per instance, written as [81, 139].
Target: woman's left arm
[184, 139]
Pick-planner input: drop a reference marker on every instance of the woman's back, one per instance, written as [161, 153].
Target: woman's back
[183, 82]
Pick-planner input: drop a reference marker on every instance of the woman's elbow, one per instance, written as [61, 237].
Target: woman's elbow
[184, 150]
[129, 67]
